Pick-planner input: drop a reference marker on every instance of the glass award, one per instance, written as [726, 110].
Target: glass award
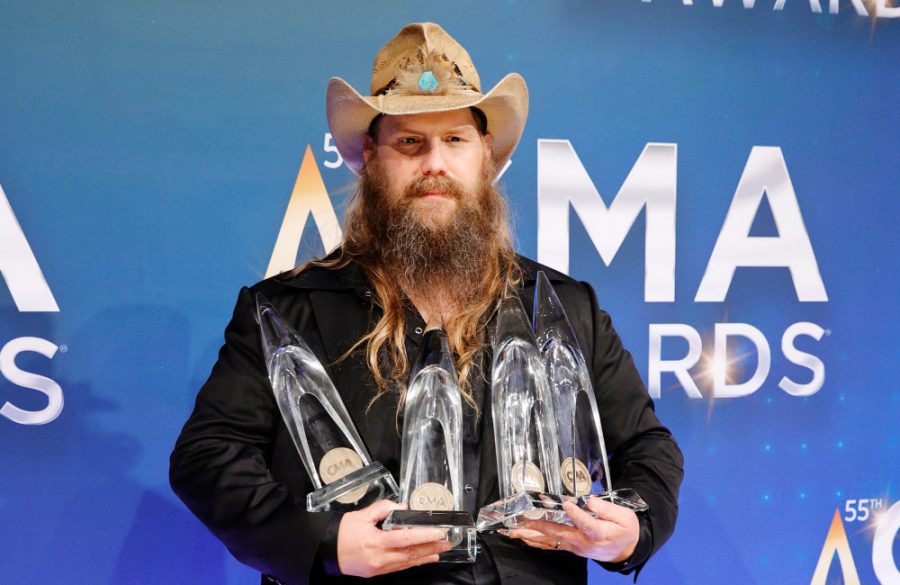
[584, 468]
[431, 468]
[525, 431]
[343, 475]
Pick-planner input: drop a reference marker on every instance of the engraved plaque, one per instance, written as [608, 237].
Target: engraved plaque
[431, 496]
[526, 476]
[336, 464]
[575, 477]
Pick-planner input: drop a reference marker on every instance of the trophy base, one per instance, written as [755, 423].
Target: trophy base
[515, 510]
[459, 528]
[625, 497]
[355, 490]
[519, 508]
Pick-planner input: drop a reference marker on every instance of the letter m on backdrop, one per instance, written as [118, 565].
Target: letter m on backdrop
[19, 267]
[650, 186]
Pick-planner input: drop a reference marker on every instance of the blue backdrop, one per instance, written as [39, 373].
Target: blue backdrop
[148, 147]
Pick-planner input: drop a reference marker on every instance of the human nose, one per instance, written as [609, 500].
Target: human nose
[434, 161]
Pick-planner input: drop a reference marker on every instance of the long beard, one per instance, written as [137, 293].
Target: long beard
[427, 256]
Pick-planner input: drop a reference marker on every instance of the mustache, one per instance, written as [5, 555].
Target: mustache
[442, 183]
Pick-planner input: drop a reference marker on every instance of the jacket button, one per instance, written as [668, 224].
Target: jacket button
[418, 331]
[367, 292]
[469, 488]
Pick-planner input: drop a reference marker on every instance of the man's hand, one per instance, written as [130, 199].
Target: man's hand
[610, 537]
[365, 551]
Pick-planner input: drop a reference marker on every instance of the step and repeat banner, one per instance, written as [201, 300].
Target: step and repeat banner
[725, 173]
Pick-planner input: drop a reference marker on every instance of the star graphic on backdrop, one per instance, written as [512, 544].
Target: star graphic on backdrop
[704, 374]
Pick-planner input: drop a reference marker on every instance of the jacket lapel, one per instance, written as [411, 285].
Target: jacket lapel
[342, 318]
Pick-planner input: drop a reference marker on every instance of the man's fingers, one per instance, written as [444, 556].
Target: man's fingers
[428, 549]
[412, 537]
[583, 521]
[413, 556]
[608, 511]
[379, 510]
[545, 543]
[537, 544]
[546, 535]
[400, 556]
[424, 560]
[524, 533]
[392, 568]
[552, 529]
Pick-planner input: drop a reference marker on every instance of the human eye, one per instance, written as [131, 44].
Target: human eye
[455, 138]
[408, 140]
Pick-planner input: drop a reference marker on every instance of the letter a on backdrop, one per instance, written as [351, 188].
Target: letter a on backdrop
[308, 197]
[766, 173]
[19, 267]
[836, 543]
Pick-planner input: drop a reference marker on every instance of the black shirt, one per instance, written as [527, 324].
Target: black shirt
[483, 571]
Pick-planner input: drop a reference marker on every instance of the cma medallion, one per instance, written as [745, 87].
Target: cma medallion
[527, 477]
[338, 463]
[575, 477]
[431, 496]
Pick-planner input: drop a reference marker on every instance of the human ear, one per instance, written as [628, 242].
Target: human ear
[368, 146]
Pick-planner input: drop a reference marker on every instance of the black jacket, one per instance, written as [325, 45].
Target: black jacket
[235, 466]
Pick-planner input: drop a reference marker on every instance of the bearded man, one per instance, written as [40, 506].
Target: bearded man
[426, 244]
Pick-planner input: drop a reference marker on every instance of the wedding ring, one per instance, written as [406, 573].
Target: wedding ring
[557, 545]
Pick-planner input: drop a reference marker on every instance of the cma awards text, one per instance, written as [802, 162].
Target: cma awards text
[650, 187]
[30, 293]
[563, 184]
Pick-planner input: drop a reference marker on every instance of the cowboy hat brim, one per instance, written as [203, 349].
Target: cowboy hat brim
[350, 114]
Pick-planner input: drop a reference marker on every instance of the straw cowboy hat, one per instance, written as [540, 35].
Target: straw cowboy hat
[423, 69]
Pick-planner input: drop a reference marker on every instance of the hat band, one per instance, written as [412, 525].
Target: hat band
[391, 85]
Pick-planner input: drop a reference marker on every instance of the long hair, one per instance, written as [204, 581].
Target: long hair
[466, 328]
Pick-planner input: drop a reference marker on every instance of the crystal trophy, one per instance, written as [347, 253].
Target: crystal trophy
[431, 469]
[584, 468]
[525, 431]
[342, 473]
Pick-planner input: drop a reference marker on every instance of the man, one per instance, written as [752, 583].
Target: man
[426, 244]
